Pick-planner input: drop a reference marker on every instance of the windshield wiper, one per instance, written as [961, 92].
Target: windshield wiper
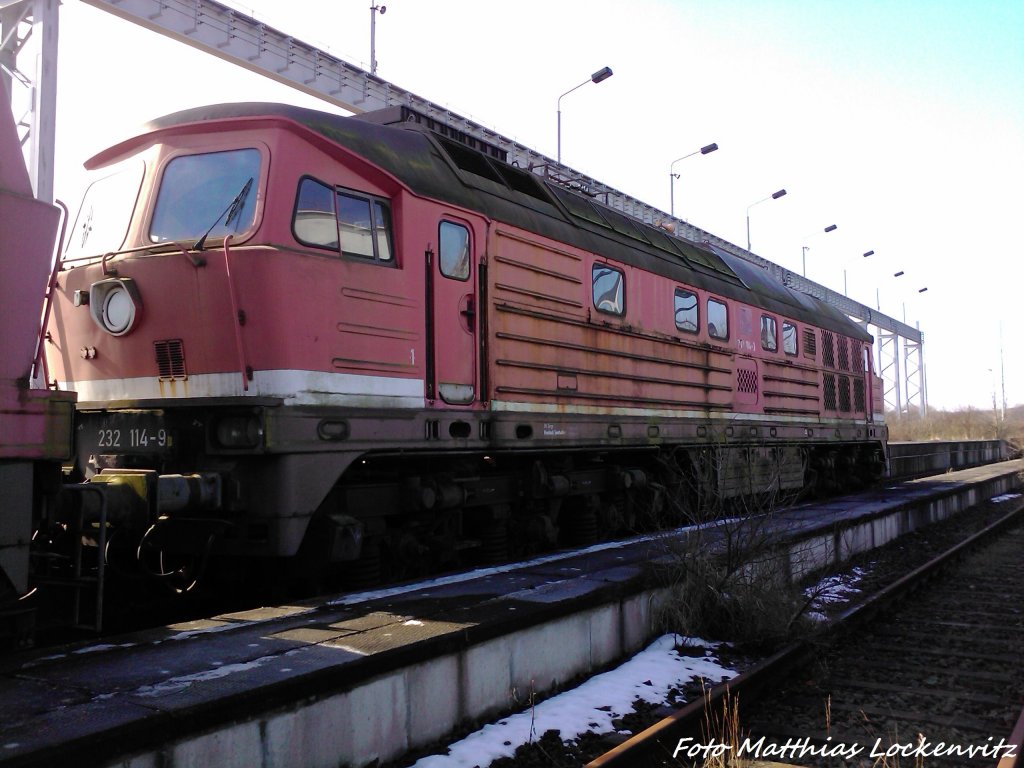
[233, 210]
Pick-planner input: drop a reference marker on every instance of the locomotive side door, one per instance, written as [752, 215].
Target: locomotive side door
[452, 279]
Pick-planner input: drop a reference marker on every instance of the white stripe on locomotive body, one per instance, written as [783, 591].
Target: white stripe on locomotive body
[512, 406]
[293, 386]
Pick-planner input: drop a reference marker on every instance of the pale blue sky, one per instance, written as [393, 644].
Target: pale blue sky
[900, 121]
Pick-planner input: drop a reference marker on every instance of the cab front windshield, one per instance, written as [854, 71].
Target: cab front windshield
[211, 195]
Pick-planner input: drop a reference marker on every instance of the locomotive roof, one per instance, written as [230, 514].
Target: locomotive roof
[435, 166]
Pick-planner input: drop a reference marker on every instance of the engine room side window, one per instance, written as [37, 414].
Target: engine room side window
[769, 334]
[608, 289]
[718, 319]
[314, 222]
[687, 311]
[209, 193]
[454, 257]
[789, 338]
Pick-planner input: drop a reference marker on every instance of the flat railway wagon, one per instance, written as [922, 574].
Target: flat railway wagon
[332, 341]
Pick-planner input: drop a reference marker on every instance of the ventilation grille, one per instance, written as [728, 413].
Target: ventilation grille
[810, 343]
[844, 353]
[828, 349]
[844, 394]
[746, 381]
[859, 403]
[170, 359]
[830, 391]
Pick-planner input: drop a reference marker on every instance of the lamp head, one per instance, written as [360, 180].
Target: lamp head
[601, 74]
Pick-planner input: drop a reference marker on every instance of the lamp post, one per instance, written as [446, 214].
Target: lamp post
[878, 295]
[866, 255]
[598, 77]
[673, 176]
[374, 9]
[806, 248]
[919, 290]
[773, 196]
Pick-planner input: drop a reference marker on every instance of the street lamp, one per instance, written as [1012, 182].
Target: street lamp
[878, 294]
[806, 248]
[374, 10]
[673, 176]
[919, 290]
[845, 291]
[600, 76]
[773, 196]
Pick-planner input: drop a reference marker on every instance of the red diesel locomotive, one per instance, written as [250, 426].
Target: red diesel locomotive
[327, 339]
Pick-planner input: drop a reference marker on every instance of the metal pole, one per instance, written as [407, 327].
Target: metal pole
[598, 77]
[373, 39]
[560, 130]
[374, 9]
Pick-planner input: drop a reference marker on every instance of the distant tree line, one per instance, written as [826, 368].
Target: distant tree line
[962, 424]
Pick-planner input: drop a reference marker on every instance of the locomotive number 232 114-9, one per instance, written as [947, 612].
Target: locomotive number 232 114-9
[139, 437]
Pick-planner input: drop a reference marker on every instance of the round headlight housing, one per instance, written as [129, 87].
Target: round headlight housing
[115, 305]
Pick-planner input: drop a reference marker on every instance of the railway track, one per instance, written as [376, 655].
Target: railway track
[930, 667]
[946, 667]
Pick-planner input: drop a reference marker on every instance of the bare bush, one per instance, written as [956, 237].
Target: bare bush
[726, 578]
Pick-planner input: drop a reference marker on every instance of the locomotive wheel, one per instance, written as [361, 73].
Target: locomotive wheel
[366, 571]
[579, 522]
[494, 543]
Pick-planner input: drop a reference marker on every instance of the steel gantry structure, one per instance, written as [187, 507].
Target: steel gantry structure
[28, 33]
[231, 35]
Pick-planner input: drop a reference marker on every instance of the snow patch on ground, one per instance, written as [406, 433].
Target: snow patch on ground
[833, 590]
[649, 675]
[1004, 497]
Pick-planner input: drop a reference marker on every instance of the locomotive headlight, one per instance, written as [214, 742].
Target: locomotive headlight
[115, 305]
[237, 431]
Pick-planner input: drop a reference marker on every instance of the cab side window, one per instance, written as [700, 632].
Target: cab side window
[347, 222]
[314, 222]
[364, 227]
